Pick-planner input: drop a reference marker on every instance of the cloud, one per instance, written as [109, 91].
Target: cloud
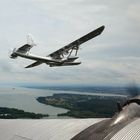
[112, 58]
[133, 11]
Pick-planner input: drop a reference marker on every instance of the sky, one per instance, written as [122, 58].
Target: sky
[109, 59]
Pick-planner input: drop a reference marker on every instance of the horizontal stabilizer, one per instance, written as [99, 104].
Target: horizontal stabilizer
[24, 49]
[34, 64]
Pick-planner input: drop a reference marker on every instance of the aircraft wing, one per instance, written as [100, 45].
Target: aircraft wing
[57, 54]
[34, 64]
[67, 129]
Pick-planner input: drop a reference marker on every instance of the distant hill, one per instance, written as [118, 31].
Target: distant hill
[88, 89]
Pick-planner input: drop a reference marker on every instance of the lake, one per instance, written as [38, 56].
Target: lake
[25, 99]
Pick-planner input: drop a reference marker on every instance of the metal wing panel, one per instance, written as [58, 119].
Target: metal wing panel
[78, 42]
[129, 132]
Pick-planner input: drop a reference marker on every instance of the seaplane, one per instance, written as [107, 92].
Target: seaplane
[65, 56]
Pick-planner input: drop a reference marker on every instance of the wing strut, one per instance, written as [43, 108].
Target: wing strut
[34, 64]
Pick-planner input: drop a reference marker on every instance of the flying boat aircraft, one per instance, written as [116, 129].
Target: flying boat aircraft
[62, 57]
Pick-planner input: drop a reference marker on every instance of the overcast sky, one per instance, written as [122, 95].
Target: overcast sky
[112, 58]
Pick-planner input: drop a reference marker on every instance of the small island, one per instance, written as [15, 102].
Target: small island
[12, 113]
[83, 106]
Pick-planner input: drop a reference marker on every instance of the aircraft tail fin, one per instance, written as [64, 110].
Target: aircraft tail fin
[30, 40]
[34, 64]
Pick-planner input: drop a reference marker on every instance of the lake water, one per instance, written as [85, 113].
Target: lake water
[25, 99]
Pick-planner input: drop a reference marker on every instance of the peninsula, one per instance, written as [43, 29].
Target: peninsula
[83, 106]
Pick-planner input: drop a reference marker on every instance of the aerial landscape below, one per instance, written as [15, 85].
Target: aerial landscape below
[60, 102]
[84, 106]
